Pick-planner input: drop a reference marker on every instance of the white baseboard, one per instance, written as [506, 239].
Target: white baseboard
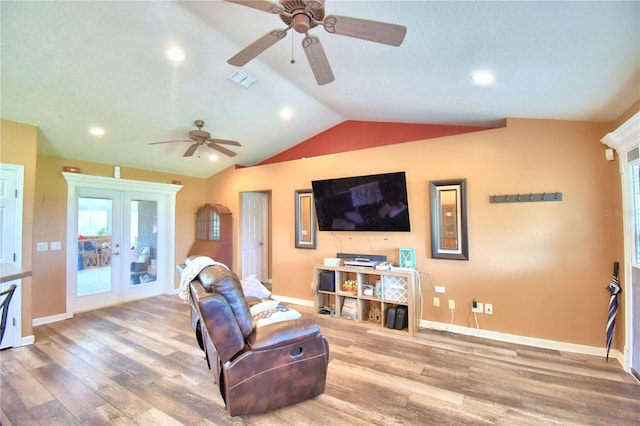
[301, 302]
[48, 320]
[524, 340]
[27, 340]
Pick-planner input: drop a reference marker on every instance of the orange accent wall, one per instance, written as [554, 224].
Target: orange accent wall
[355, 135]
[542, 265]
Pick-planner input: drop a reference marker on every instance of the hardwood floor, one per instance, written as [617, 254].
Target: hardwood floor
[139, 363]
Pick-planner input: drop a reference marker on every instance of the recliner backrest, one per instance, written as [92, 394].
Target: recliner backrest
[219, 280]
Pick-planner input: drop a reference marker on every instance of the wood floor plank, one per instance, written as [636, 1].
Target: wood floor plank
[139, 364]
[19, 379]
[74, 395]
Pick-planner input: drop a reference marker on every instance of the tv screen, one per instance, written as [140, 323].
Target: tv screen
[362, 203]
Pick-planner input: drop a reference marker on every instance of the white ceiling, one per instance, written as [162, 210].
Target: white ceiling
[69, 65]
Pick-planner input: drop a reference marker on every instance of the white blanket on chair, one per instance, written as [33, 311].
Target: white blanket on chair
[191, 271]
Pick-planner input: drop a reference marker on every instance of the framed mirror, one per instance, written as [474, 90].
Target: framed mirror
[449, 219]
[305, 219]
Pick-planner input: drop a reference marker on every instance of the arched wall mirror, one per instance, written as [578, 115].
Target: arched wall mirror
[449, 219]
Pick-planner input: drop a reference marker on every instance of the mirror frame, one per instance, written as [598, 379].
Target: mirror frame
[305, 217]
[462, 250]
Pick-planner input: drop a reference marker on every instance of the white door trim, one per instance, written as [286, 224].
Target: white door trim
[76, 180]
[14, 331]
[18, 170]
[624, 139]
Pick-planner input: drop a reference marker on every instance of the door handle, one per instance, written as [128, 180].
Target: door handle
[115, 253]
[116, 245]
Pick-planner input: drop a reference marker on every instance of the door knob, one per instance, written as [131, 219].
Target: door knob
[116, 245]
[115, 253]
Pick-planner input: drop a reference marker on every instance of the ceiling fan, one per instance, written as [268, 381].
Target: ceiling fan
[303, 15]
[200, 137]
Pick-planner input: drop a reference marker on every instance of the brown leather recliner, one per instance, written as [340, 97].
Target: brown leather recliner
[258, 368]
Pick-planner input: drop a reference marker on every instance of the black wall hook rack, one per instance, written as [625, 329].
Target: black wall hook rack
[526, 198]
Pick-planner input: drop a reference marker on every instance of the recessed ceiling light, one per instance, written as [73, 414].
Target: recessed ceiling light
[97, 131]
[286, 113]
[176, 54]
[482, 78]
[213, 157]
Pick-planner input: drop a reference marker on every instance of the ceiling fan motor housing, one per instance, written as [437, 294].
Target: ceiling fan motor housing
[301, 15]
[199, 135]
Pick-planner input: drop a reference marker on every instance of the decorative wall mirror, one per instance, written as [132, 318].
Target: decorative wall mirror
[449, 219]
[305, 219]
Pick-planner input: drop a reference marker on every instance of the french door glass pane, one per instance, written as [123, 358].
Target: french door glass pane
[95, 224]
[144, 241]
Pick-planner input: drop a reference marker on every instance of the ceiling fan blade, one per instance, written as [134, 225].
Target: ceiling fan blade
[222, 149]
[263, 5]
[189, 152]
[379, 32]
[317, 59]
[181, 140]
[257, 47]
[224, 141]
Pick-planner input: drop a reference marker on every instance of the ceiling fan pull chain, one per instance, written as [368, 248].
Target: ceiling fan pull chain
[293, 61]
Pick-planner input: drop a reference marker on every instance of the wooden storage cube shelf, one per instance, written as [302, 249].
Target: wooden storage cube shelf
[349, 308]
[371, 311]
[396, 289]
[325, 299]
[390, 288]
[348, 284]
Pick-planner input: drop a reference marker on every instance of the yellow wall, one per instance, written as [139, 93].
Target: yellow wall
[544, 266]
[18, 146]
[49, 279]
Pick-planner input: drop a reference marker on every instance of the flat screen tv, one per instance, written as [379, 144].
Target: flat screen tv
[362, 203]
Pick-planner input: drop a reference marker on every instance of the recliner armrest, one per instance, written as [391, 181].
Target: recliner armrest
[282, 333]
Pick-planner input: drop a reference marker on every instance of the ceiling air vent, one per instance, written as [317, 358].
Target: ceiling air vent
[242, 79]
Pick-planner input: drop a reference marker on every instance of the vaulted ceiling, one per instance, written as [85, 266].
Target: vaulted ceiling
[69, 65]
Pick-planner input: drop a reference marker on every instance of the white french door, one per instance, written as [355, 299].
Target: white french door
[120, 240]
[99, 229]
[117, 247]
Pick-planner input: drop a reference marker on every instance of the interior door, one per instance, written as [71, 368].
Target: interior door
[255, 235]
[11, 187]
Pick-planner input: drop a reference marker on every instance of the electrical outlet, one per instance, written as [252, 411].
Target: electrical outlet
[488, 308]
[436, 302]
[439, 289]
[56, 245]
[478, 307]
[452, 304]
[42, 246]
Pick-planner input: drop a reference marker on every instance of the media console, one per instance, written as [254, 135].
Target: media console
[385, 299]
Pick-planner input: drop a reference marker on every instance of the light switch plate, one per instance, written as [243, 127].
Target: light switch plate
[42, 246]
